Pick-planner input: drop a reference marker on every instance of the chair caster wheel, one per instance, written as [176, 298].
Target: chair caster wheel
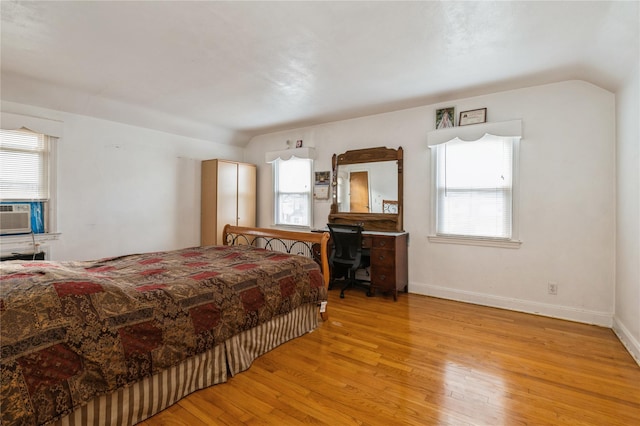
[341, 295]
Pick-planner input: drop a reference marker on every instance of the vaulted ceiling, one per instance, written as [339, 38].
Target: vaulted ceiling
[224, 71]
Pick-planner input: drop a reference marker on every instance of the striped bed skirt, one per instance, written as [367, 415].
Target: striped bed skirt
[143, 399]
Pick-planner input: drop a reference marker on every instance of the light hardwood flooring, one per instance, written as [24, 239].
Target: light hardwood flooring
[428, 361]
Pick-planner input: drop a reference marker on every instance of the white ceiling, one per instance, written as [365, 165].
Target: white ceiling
[225, 71]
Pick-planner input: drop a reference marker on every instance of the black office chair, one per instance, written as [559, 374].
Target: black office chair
[347, 255]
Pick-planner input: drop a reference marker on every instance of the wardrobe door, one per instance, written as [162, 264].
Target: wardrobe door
[209, 202]
[227, 197]
[246, 195]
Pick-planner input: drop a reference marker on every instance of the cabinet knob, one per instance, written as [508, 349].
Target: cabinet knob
[381, 257]
[382, 277]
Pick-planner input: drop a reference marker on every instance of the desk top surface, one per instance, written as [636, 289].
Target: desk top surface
[367, 232]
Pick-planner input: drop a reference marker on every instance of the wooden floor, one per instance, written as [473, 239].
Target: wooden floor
[427, 361]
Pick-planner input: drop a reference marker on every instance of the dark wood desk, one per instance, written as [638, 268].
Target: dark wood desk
[389, 267]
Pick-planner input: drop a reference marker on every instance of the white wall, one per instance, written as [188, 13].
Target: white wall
[125, 189]
[627, 291]
[567, 203]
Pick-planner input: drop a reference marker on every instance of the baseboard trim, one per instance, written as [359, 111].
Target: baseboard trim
[603, 319]
[627, 339]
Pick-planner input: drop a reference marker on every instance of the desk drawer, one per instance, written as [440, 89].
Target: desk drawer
[383, 277]
[383, 258]
[383, 243]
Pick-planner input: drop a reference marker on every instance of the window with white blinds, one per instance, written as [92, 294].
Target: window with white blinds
[292, 191]
[24, 165]
[474, 187]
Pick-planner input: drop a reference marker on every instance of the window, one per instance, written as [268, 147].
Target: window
[292, 191]
[474, 189]
[24, 172]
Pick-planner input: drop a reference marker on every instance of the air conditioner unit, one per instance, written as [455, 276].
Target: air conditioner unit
[15, 219]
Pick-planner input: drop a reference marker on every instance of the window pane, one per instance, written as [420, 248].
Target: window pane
[475, 213]
[293, 209]
[485, 164]
[293, 175]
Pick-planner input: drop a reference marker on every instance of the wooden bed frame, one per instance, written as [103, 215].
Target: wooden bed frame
[149, 396]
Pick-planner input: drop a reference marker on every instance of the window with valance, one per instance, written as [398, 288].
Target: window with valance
[292, 186]
[475, 184]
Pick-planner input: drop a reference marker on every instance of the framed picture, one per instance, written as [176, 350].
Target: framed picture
[473, 116]
[323, 178]
[445, 117]
[299, 143]
[321, 190]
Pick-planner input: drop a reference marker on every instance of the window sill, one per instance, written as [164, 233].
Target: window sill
[28, 238]
[472, 241]
[298, 228]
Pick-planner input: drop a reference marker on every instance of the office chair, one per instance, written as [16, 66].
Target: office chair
[347, 253]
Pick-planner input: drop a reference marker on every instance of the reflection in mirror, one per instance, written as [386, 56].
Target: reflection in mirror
[362, 188]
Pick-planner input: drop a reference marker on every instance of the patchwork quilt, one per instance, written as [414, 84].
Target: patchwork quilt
[71, 331]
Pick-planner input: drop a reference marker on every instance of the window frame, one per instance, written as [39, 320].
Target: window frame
[275, 170]
[53, 129]
[438, 137]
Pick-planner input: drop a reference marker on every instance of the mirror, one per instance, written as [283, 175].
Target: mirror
[367, 188]
[362, 188]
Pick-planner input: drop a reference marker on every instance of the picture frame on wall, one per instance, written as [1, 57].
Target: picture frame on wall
[474, 116]
[321, 190]
[445, 117]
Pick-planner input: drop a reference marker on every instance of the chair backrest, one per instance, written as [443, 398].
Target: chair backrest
[347, 243]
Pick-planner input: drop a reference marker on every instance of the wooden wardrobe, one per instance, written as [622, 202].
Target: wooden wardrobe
[228, 196]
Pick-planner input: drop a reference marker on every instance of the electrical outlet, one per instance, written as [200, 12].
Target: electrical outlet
[553, 288]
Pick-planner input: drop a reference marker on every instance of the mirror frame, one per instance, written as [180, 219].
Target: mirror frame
[387, 222]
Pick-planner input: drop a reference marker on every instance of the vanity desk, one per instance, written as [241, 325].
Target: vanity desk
[365, 183]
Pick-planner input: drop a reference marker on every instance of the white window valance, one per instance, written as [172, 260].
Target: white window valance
[474, 132]
[10, 121]
[287, 154]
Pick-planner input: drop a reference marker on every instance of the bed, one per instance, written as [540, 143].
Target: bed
[116, 340]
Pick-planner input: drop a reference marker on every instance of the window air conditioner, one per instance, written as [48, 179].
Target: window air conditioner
[15, 219]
